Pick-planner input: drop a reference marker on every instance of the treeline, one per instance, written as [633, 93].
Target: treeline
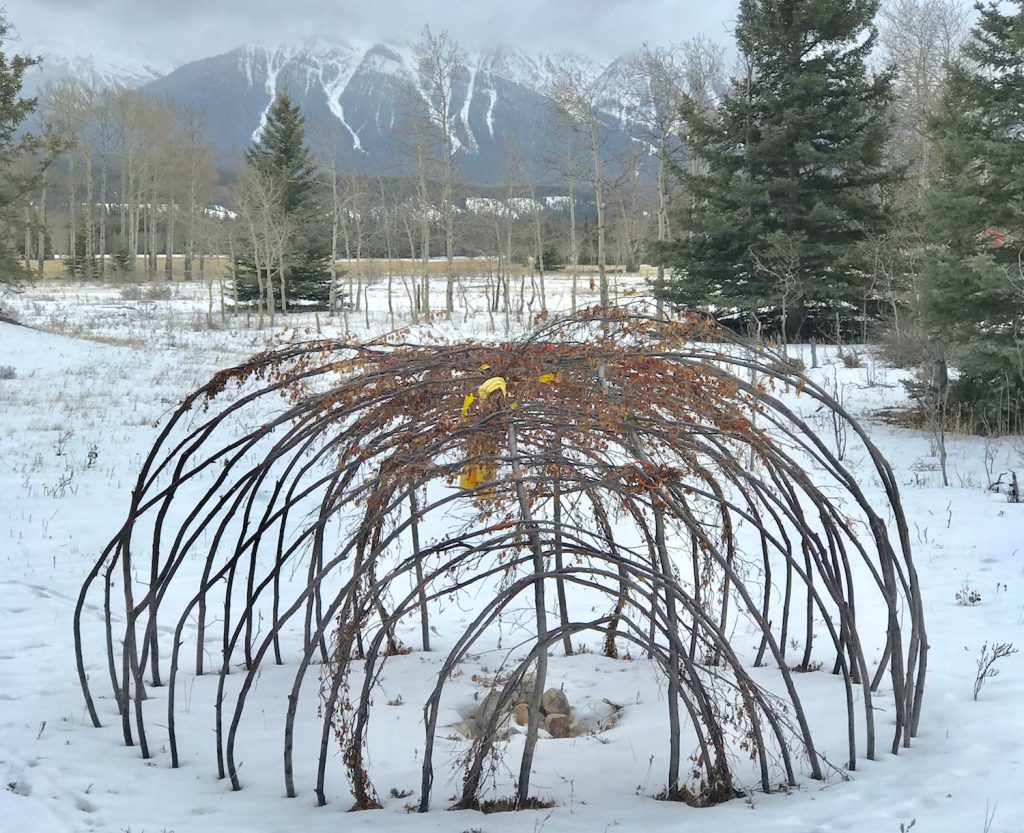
[136, 181]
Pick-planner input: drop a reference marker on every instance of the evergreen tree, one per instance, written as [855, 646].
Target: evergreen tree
[790, 170]
[972, 288]
[281, 160]
[24, 156]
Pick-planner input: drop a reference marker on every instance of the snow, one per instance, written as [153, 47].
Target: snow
[466, 104]
[326, 64]
[334, 76]
[126, 70]
[92, 385]
[274, 62]
[492, 99]
[331, 66]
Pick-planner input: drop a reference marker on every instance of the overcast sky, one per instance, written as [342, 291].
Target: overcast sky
[183, 30]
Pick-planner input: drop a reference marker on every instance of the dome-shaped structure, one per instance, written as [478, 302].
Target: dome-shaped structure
[650, 466]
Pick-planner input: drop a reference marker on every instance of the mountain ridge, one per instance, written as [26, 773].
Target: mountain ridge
[354, 95]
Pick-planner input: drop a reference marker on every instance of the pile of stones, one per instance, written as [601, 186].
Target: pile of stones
[555, 710]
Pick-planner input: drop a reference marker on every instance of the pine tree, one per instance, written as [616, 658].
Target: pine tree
[281, 160]
[972, 287]
[790, 170]
[24, 156]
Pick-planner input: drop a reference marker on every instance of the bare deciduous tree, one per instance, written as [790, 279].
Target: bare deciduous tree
[439, 62]
[661, 79]
[919, 37]
[779, 258]
[573, 95]
[259, 201]
[198, 158]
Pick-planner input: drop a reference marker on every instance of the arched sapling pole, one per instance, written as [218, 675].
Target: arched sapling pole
[618, 454]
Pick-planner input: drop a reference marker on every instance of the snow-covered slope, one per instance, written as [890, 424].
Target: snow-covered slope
[101, 72]
[353, 97]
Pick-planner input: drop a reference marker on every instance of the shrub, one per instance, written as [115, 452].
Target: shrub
[968, 597]
[906, 348]
[157, 292]
[852, 359]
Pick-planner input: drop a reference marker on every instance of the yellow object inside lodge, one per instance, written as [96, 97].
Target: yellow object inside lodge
[473, 474]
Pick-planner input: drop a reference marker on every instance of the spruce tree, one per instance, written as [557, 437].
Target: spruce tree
[790, 171]
[280, 157]
[24, 156]
[972, 286]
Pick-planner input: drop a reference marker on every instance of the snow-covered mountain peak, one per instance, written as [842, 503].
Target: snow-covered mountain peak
[125, 70]
[355, 95]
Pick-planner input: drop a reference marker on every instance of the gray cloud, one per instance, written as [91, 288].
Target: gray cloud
[182, 30]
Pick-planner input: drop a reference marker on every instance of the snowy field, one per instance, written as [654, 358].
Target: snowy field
[91, 379]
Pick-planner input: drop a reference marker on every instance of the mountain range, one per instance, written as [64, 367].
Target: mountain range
[354, 97]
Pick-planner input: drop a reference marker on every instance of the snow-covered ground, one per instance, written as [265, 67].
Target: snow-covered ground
[92, 384]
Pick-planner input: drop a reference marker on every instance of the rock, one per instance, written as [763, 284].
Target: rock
[521, 714]
[558, 725]
[553, 701]
[486, 709]
[524, 692]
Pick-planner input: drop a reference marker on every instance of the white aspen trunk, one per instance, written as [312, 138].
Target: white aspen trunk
[41, 239]
[662, 222]
[144, 232]
[124, 193]
[336, 210]
[72, 254]
[135, 215]
[411, 292]
[152, 230]
[103, 215]
[391, 279]
[448, 195]
[494, 302]
[366, 304]
[449, 226]
[574, 249]
[269, 282]
[539, 266]
[152, 234]
[190, 232]
[259, 277]
[358, 228]
[268, 288]
[284, 288]
[425, 263]
[234, 276]
[388, 249]
[90, 246]
[169, 245]
[508, 265]
[602, 256]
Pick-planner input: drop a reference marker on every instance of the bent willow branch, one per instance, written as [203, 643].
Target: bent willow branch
[299, 506]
